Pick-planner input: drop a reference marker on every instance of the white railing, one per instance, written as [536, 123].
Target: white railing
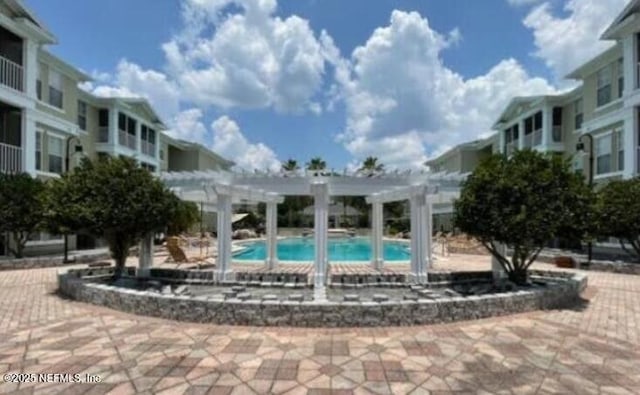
[126, 139]
[537, 137]
[11, 74]
[103, 134]
[10, 158]
[148, 148]
[528, 140]
[511, 147]
[556, 134]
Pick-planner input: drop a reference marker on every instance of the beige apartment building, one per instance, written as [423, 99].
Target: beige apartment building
[48, 124]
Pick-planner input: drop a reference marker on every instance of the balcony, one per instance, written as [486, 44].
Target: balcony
[556, 134]
[148, 148]
[10, 158]
[537, 137]
[103, 134]
[528, 140]
[11, 74]
[511, 147]
[127, 140]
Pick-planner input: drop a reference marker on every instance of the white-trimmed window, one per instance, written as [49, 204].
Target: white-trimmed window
[603, 154]
[56, 87]
[38, 150]
[55, 149]
[620, 76]
[604, 86]
[578, 114]
[619, 141]
[82, 115]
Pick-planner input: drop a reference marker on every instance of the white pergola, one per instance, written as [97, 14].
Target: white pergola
[220, 189]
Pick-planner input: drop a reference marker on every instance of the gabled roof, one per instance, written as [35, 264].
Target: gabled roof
[139, 102]
[51, 59]
[624, 17]
[473, 145]
[30, 21]
[189, 145]
[602, 59]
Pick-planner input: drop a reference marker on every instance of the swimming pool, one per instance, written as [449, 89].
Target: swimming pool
[340, 249]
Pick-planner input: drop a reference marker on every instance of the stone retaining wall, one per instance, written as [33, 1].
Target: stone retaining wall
[597, 265]
[50, 261]
[561, 294]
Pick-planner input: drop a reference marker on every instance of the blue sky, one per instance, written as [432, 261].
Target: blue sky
[262, 81]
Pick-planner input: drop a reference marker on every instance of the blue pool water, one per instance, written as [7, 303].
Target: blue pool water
[340, 249]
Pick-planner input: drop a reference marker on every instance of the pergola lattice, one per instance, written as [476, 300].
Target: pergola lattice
[220, 189]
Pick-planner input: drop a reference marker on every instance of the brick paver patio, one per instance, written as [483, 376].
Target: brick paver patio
[593, 349]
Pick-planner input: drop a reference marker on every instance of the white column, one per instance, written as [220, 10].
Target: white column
[630, 64]
[418, 236]
[145, 258]
[30, 67]
[114, 137]
[428, 225]
[320, 193]
[496, 267]
[272, 235]
[547, 125]
[377, 258]
[521, 134]
[223, 262]
[138, 136]
[28, 141]
[501, 136]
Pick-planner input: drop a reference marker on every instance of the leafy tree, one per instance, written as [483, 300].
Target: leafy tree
[316, 164]
[117, 200]
[524, 202]
[63, 215]
[185, 215]
[619, 213]
[290, 166]
[21, 209]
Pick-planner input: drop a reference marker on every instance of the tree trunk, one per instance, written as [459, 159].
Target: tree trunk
[19, 240]
[119, 248]
[518, 276]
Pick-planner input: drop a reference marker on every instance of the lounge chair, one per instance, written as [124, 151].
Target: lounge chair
[178, 256]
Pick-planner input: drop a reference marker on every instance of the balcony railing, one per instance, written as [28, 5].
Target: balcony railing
[11, 74]
[126, 139]
[148, 148]
[556, 134]
[103, 134]
[528, 140]
[10, 158]
[537, 137]
[511, 147]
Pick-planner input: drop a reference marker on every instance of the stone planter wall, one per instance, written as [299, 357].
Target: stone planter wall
[50, 261]
[561, 294]
[597, 265]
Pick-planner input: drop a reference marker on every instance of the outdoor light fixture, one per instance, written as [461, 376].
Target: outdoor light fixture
[580, 148]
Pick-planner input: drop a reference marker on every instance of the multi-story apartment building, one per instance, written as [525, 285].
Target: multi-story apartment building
[48, 124]
[461, 159]
[602, 113]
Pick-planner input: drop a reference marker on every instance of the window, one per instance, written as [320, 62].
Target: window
[122, 122]
[82, 115]
[604, 86]
[537, 121]
[38, 150]
[603, 154]
[56, 98]
[620, 76]
[578, 116]
[556, 131]
[619, 148]
[55, 154]
[162, 155]
[148, 167]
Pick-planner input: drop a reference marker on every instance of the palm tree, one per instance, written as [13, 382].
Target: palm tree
[371, 166]
[290, 166]
[316, 164]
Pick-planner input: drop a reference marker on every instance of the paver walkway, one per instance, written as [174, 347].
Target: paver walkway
[593, 349]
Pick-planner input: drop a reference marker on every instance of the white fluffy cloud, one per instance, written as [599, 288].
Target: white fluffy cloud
[564, 42]
[400, 110]
[229, 141]
[251, 59]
